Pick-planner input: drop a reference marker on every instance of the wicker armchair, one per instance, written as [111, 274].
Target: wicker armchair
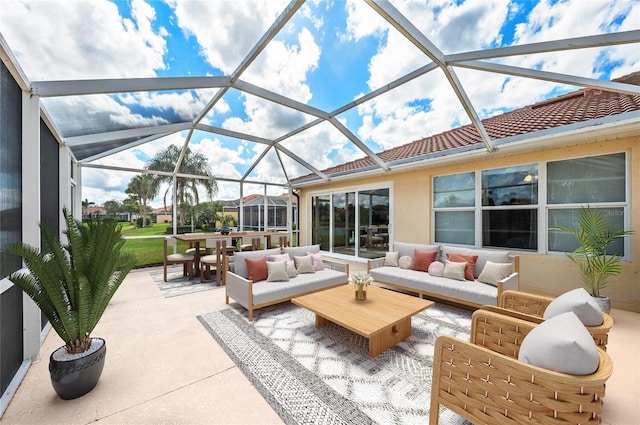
[483, 381]
[531, 307]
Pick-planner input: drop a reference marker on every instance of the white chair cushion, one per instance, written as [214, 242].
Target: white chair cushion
[562, 344]
[581, 303]
[180, 257]
[209, 259]
[299, 251]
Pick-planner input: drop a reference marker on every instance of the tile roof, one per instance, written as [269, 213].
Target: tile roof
[579, 106]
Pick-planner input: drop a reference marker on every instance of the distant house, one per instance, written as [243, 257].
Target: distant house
[163, 215]
[94, 211]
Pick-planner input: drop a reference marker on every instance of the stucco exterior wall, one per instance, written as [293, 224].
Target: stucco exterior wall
[550, 274]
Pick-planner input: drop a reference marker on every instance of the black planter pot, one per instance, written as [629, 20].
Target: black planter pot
[75, 377]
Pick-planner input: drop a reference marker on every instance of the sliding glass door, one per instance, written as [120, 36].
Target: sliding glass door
[321, 220]
[352, 223]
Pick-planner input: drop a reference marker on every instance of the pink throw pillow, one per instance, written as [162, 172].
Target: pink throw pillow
[317, 260]
[436, 269]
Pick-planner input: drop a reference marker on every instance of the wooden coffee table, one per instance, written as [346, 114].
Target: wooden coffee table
[384, 318]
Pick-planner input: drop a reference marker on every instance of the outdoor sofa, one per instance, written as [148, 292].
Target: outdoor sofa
[261, 293]
[398, 270]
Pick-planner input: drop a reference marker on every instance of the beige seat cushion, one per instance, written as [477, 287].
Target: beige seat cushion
[180, 257]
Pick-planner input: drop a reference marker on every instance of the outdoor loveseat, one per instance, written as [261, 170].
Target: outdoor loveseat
[491, 273]
[254, 293]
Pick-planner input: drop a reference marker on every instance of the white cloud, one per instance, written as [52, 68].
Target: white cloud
[226, 30]
[284, 68]
[223, 160]
[62, 40]
[185, 104]
[318, 145]
[362, 20]
[95, 114]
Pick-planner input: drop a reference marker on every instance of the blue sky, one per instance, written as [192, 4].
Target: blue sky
[329, 54]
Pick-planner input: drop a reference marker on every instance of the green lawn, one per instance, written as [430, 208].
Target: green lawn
[148, 251]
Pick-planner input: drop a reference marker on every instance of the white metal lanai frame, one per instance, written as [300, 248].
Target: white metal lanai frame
[477, 60]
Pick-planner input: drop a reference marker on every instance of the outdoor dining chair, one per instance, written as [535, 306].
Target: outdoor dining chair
[215, 260]
[253, 243]
[170, 257]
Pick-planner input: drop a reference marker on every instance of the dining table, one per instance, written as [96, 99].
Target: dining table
[194, 240]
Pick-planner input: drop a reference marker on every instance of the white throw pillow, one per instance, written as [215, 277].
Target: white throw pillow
[277, 271]
[405, 262]
[581, 303]
[562, 344]
[304, 264]
[454, 270]
[493, 272]
[391, 259]
[291, 269]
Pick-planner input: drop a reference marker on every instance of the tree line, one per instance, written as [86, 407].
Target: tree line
[143, 188]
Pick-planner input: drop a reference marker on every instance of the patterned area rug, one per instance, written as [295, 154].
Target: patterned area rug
[177, 284]
[324, 375]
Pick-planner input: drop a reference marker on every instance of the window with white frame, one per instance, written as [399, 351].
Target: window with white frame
[454, 208]
[597, 181]
[508, 215]
[510, 205]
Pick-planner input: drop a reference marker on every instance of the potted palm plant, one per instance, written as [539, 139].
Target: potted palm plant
[594, 235]
[72, 285]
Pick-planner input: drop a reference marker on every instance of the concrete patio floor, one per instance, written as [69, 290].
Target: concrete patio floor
[163, 367]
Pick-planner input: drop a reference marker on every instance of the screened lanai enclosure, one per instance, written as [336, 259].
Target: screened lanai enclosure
[300, 90]
[326, 102]
[276, 216]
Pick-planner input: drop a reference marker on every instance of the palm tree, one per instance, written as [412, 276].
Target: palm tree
[594, 234]
[192, 164]
[145, 187]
